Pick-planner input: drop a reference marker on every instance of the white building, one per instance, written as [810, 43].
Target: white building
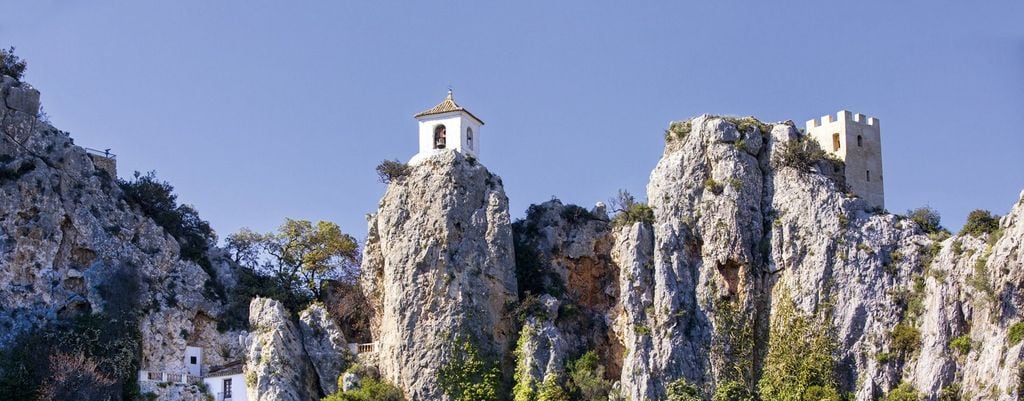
[224, 383]
[194, 360]
[448, 126]
[856, 140]
[227, 383]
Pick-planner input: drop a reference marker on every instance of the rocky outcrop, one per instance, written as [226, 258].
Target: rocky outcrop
[972, 297]
[438, 268]
[542, 349]
[736, 231]
[71, 245]
[277, 368]
[707, 194]
[325, 346]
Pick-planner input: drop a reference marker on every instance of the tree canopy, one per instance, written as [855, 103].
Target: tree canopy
[299, 256]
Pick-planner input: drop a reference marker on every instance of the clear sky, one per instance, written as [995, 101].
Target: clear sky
[261, 110]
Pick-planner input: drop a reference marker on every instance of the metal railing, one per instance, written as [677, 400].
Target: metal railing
[168, 377]
[101, 153]
[365, 348]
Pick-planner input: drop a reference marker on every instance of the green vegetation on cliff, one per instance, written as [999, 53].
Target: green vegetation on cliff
[800, 359]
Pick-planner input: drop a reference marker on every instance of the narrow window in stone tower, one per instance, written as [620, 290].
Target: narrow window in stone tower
[860, 141]
[469, 138]
[835, 142]
[868, 174]
[439, 134]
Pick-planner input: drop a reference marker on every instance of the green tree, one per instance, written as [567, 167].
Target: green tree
[904, 392]
[682, 390]
[980, 222]
[370, 389]
[733, 391]
[800, 357]
[551, 390]
[586, 378]
[927, 218]
[469, 376]
[11, 65]
[628, 211]
[299, 256]
[905, 338]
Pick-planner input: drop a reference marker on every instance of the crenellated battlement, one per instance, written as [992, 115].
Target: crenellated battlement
[844, 115]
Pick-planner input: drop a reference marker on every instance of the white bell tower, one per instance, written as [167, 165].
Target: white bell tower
[448, 126]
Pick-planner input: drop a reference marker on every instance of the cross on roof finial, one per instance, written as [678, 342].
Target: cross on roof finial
[450, 92]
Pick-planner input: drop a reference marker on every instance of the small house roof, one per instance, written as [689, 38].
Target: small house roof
[227, 369]
[447, 105]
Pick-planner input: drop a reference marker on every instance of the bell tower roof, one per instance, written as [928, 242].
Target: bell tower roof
[447, 105]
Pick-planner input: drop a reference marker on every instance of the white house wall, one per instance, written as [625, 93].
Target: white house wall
[238, 390]
[197, 368]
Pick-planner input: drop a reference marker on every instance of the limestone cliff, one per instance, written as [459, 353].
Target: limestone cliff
[276, 365]
[438, 268]
[739, 233]
[736, 232]
[70, 245]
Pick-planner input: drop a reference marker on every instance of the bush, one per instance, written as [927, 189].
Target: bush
[801, 154]
[980, 280]
[980, 222]
[961, 344]
[549, 390]
[950, 393]
[629, 211]
[905, 392]
[713, 186]
[1015, 334]
[733, 391]
[927, 218]
[91, 354]
[905, 338]
[391, 170]
[157, 200]
[677, 130]
[576, 215]
[800, 354]
[12, 65]
[819, 393]
[587, 380]
[370, 389]
[681, 390]
[469, 376]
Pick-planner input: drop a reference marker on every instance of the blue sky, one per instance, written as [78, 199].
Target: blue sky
[261, 110]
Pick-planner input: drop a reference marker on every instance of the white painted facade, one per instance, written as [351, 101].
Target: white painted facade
[856, 140]
[227, 387]
[194, 360]
[461, 131]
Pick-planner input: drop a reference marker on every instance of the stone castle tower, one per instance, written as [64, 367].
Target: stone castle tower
[448, 126]
[856, 140]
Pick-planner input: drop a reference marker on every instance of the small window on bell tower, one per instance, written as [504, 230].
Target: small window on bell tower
[439, 136]
[469, 138]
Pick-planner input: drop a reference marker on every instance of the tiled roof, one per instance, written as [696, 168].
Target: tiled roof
[230, 368]
[446, 106]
